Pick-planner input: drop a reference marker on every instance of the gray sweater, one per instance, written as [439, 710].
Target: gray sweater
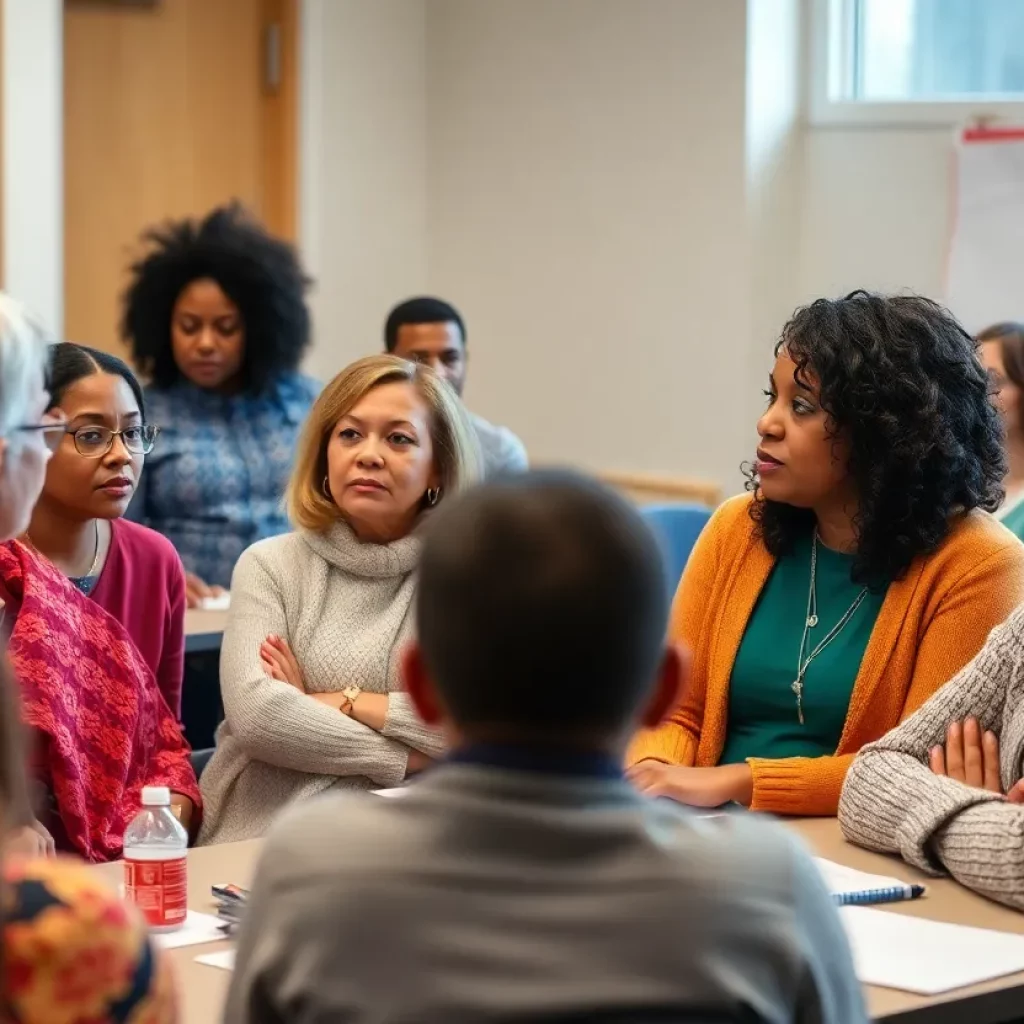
[488, 895]
[502, 451]
[893, 803]
[344, 607]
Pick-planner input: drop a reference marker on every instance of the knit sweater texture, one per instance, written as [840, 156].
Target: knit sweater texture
[893, 803]
[932, 622]
[344, 607]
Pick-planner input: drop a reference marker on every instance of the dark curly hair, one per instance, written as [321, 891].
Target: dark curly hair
[900, 379]
[258, 273]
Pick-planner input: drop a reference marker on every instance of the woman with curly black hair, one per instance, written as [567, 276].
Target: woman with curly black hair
[217, 321]
[861, 573]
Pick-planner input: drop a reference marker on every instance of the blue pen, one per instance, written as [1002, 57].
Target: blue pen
[894, 894]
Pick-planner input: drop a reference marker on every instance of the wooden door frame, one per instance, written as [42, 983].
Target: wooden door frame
[281, 117]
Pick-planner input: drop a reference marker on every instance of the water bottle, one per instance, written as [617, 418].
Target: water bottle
[155, 852]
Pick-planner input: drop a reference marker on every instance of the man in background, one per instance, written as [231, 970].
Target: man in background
[523, 879]
[430, 331]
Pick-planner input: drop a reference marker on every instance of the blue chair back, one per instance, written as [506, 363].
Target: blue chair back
[677, 527]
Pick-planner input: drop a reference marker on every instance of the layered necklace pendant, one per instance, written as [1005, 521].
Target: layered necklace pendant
[810, 622]
[797, 686]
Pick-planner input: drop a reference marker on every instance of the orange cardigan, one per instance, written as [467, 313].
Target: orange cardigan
[931, 624]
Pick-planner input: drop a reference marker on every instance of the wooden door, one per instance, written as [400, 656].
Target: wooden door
[171, 108]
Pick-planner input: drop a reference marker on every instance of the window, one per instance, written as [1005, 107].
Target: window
[930, 61]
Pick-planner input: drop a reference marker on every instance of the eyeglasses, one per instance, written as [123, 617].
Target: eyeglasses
[94, 442]
[52, 429]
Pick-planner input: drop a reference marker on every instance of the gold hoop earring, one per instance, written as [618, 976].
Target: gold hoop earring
[433, 496]
[326, 488]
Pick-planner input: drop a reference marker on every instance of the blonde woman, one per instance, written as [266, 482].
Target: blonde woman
[309, 666]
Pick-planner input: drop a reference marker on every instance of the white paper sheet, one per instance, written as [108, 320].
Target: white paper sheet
[841, 879]
[927, 957]
[221, 603]
[224, 959]
[198, 928]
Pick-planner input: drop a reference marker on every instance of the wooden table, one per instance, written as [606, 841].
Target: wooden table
[203, 630]
[204, 989]
[994, 1002]
[201, 989]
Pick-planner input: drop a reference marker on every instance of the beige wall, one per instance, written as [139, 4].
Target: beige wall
[587, 209]
[362, 168]
[621, 196]
[33, 168]
[876, 210]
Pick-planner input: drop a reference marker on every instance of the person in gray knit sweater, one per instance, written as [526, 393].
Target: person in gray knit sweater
[310, 658]
[944, 789]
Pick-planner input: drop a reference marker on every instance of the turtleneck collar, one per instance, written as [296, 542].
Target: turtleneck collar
[340, 546]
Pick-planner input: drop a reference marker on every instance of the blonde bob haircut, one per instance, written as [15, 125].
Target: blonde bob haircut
[456, 452]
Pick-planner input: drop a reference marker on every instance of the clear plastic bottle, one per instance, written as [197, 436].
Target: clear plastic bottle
[155, 862]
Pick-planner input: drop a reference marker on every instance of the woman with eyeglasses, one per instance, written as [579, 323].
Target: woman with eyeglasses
[100, 729]
[70, 950]
[132, 572]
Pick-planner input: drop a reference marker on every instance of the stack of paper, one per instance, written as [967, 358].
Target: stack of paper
[225, 959]
[197, 929]
[841, 879]
[927, 957]
[913, 954]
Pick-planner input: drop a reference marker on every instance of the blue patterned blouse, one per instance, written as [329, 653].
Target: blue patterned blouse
[214, 482]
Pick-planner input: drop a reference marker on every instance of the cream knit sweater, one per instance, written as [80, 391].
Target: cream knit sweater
[344, 607]
[892, 802]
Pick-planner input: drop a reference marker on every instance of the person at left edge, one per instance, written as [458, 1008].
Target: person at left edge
[131, 571]
[216, 320]
[862, 572]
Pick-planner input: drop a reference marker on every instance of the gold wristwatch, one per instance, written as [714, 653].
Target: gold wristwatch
[349, 693]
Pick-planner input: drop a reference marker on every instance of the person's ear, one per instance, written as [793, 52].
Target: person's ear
[673, 675]
[419, 685]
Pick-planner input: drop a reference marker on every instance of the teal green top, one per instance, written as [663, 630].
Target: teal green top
[1013, 520]
[763, 718]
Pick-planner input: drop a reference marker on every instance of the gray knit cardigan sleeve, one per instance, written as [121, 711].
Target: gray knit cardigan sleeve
[893, 803]
[277, 723]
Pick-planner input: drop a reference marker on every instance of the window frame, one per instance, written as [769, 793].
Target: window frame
[830, 70]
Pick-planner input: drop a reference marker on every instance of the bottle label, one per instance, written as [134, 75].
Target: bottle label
[159, 889]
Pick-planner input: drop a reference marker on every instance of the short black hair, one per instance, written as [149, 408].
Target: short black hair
[69, 363]
[260, 274]
[541, 607]
[422, 310]
[900, 378]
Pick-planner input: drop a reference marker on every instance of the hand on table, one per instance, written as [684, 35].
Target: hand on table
[418, 761]
[182, 808]
[279, 663]
[698, 787]
[196, 591]
[31, 841]
[972, 757]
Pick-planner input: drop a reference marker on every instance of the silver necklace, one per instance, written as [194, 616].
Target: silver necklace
[95, 552]
[810, 622]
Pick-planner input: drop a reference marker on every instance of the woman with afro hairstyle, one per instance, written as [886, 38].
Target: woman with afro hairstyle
[862, 571]
[216, 319]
